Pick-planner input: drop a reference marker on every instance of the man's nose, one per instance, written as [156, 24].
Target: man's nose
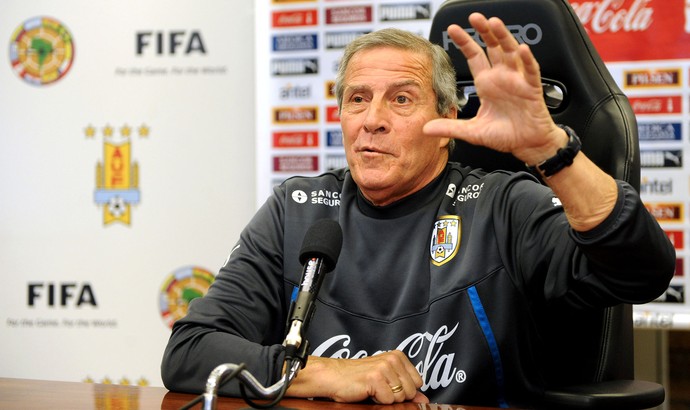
[376, 121]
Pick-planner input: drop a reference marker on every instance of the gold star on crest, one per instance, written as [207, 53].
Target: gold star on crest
[126, 131]
[144, 131]
[108, 131]
[90, 131]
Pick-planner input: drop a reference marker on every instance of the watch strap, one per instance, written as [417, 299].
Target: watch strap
[564, 156]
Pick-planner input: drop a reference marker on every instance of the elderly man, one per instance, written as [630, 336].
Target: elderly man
[445, 271]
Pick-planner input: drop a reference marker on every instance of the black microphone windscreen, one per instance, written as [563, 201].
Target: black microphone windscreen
[324, 240]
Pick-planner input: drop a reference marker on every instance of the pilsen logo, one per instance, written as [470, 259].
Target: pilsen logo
[437, 370]
[117, 177]
[652, 78]
[665, 212]
[445, 239]
[295, 115]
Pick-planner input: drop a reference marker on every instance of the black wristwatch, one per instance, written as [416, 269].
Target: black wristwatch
[563, 158]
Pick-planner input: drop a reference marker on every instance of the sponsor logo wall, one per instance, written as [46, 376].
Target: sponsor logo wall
[645, 43]
[127, 155]
[646, 47]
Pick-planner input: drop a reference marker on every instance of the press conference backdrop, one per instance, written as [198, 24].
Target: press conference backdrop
[127, 172]
[138, 138]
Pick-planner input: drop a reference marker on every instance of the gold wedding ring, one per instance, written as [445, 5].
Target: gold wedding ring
[397, 388]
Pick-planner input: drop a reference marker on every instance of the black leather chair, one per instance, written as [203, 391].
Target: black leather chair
[589, 357]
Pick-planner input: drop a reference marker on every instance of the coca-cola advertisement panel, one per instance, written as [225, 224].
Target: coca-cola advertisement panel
[634, 30]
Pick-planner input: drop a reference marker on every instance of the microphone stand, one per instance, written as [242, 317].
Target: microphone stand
[320, 250]
[227, 371]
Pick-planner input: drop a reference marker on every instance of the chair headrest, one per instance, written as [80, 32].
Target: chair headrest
[572, 71]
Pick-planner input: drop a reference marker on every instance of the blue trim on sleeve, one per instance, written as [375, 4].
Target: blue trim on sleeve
[480, 314]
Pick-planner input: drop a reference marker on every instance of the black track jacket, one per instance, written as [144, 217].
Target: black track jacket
[456, 276]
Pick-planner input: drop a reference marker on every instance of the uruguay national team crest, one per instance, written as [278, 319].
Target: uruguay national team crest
[445, 239]
[117, 177]
[117, 182]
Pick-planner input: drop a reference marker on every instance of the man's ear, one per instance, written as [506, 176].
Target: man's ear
[443, 143]
[452, 113]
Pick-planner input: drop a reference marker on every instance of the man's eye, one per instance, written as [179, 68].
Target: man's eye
[357, 99]
[401, 99]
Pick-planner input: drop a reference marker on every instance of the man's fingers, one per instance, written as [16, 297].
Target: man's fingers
[400, 379]
[474, 54]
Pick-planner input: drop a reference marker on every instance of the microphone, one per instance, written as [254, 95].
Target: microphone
[319, 254]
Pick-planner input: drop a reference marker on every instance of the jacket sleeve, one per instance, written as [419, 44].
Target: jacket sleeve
[235, 322]
[628, 258]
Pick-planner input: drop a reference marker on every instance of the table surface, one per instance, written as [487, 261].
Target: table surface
[44, 394]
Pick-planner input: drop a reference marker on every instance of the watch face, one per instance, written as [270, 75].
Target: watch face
[41, 50]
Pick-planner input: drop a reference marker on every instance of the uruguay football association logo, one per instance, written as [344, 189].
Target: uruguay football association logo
[445, 239]
[117, 176]
[41, 50]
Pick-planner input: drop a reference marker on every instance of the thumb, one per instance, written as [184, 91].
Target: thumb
[446, 128]
[420, 398]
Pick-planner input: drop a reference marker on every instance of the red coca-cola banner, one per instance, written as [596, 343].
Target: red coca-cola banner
[634, 30]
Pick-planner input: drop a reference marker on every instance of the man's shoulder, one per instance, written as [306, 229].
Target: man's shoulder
[336, 176]
[470, 175]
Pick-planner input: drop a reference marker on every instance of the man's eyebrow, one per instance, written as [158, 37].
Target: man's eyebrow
[406, 83]
[355, 88]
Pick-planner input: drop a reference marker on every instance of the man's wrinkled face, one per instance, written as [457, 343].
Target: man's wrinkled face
[387, 99]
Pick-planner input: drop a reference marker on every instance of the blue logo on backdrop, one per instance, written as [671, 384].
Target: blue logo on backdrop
[659, 131]
[295, 42]
[334, 138]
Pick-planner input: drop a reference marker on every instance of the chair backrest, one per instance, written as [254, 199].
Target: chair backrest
[580, 92]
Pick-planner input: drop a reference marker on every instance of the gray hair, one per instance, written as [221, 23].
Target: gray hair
[443, 72]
